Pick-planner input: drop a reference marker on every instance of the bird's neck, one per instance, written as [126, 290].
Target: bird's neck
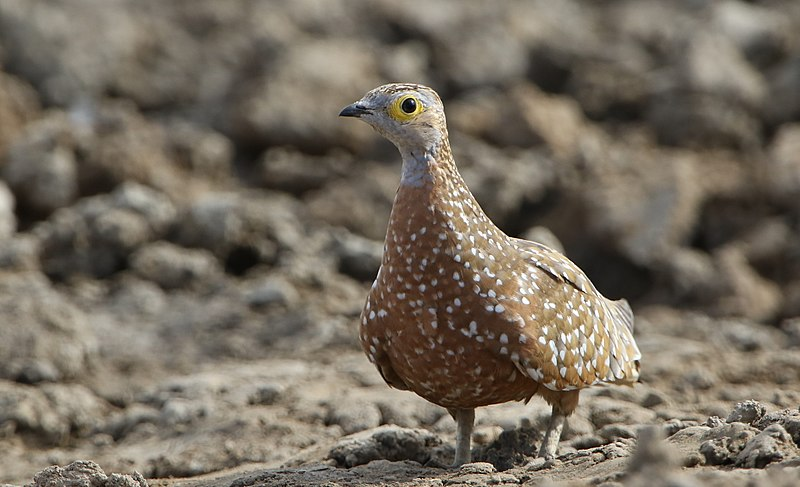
[421, 163]
[428, 166]
[432, 192]
[418, 168]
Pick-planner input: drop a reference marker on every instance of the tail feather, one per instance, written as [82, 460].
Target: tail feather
[623, 313]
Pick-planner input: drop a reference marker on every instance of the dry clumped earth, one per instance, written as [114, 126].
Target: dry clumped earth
[188, 234]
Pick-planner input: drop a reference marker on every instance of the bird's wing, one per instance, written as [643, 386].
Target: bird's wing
[573, 336]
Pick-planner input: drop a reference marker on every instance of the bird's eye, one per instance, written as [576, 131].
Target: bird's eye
[405, 108]
[409, 105]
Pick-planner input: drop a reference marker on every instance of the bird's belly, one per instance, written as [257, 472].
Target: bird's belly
[449, 368]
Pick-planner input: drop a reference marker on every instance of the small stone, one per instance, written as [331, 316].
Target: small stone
[477, 468]
[693, 459]
[19, 105]
[587, 441]
[674, 425]
[123, 422]
[266, 395]
[270, 290]
[20, 252]
[690, 119]
[171, 266]
[41, 168]
[536, 464]
[654, 398]
[387, 442]
[8, 221]
[102, 440]
[698, 379]
[368, 200]
[243, 230]
[762, 34]
[612, 432]
[119, 480]
[771, 445]
[723, 444]
[783, 104]
[782, 171]
[202, 151]
[483, 435]
[748, 336]
[52, 339]
[84, 473]
[353, 416]
[788, 418]
[618, 449]
[688, 439]
[748, 295]
[359, 257]
[292, 171]
[154, 206]
[747, 412]
[605, 411]
[260, 113]
[121, 229]
[791, 327]
[177, 411]
[583, 459]
[80, 473]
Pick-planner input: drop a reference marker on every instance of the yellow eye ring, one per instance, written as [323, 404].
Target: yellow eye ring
[405, 108]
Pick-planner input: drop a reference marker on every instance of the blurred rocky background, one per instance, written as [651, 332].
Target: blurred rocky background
[187, 231]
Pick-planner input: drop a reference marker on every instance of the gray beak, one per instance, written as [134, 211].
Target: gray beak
[354, 110]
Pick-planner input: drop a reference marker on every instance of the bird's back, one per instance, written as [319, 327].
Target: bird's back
[584, 337]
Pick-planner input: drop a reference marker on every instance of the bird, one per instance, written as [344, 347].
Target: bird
[463, 314]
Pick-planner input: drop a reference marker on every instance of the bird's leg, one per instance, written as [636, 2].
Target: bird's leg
[564, 404]
[553, 434]
[465, 419]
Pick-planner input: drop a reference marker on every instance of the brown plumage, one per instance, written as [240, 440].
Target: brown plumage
[464, 315]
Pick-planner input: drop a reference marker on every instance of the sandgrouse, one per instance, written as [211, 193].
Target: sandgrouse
[463, 314]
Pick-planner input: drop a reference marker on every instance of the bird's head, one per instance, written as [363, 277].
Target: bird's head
[411, 116]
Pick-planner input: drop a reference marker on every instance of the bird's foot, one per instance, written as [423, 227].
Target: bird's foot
[465, 419]
[552, 436]
[540, 463]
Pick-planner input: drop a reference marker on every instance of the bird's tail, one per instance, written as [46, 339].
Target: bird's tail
[623, 319]
[623, 314]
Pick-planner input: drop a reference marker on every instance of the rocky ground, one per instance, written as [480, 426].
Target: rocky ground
[188, 233]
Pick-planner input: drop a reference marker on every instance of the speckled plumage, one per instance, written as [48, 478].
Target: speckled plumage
[464, 315]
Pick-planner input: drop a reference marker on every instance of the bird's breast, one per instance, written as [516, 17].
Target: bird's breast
[437, 310]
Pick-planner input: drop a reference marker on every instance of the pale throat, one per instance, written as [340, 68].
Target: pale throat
[419, 165]
[417, 169]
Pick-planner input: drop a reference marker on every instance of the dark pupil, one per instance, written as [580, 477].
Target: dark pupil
[409, 105]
